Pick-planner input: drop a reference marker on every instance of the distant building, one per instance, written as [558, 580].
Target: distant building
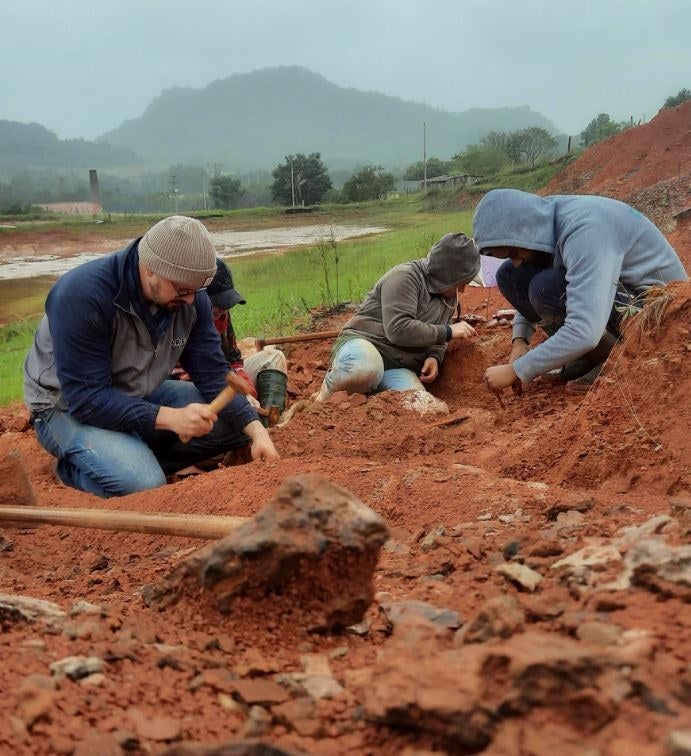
[402, 186]
[73, 208]
[444, 182]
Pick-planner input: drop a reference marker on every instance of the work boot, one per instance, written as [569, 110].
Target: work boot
[585, 364]
[583, 384]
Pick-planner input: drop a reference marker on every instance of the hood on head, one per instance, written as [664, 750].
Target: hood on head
[511, 218]
[452, 261]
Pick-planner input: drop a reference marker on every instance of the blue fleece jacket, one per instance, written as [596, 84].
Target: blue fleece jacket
[99, 350]
[597, 241]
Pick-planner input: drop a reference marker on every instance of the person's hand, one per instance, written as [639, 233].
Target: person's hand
[253, 402]
[190, 421]
[430, 370]
[262, 449]
[518, 349]
[462, 330]
[499, 377]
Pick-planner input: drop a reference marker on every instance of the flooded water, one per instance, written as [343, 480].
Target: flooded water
[227, 243]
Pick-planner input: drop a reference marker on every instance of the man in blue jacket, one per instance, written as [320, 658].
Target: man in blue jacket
[96, 378]
[574, 265]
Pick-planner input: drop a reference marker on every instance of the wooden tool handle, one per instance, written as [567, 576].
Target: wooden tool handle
[223, 399]
[261, 343]
[236, 385]
[163, 523]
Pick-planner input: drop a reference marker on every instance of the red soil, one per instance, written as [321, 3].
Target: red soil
[624, 446]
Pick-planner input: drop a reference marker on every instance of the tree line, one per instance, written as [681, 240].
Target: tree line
[300, 179]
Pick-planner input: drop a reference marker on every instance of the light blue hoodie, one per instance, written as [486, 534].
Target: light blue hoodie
[597, 241]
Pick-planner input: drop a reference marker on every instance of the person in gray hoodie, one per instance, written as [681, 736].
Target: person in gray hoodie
[574, 265]
[398, 338]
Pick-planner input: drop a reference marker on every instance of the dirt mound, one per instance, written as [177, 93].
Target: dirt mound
[631, 430]
[648, 166]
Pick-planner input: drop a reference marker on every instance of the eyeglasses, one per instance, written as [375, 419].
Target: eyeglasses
[186, 292]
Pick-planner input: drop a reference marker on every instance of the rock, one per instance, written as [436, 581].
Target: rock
[462, 694]
[298, 715]
[590, 556]
[396, 612]
[524, 576]
[321, 686]
[650, 527]
[93, 681]
[20, 422]
[570, 519]
[500, 617]
[14, 609]
[664, 569]
[84, 607]
[599, 633]
[5, 543]
[264, 692]
[569, 505]
[314, 543]
[152, 727]
[257, 724]
[77, 667]
[679, 743]
[359, 628]
[429, 542]
[317, 681]
[423, 402]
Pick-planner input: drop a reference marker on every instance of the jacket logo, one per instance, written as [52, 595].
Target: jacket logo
[178, 342]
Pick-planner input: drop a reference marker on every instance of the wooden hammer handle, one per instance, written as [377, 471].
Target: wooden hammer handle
[163, 523]
[236, 385]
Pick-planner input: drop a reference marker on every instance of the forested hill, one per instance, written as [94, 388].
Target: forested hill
[250, 121]
[29, 145]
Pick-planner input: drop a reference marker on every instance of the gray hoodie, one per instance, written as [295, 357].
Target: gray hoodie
[596, 241]
[404, 315]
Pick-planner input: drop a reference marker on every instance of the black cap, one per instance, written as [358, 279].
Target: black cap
[221, 290]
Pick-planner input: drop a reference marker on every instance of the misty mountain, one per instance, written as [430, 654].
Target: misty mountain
[30, 145]
[251, 121]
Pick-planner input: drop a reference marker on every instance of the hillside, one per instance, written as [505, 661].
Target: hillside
[30, 145]
[648, 166]
[250, 121]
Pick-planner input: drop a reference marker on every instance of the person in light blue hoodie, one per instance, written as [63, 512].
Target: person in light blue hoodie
[574, 265]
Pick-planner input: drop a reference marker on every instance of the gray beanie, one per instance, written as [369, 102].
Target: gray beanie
[179, 249]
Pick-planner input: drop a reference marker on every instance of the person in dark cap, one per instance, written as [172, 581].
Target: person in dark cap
[398, 338]
[224, 296]
[96, 378]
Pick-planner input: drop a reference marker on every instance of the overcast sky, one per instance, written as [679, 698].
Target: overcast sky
[81, 68]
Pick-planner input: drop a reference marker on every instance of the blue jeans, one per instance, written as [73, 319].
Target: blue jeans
[358, 368]
[539, 294]
[111, 463]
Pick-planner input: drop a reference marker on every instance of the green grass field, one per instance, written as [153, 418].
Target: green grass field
[280, 288]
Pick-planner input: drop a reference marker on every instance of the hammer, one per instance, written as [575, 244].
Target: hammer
[236, 385]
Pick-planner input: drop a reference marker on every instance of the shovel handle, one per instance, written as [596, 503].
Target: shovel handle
[163, 523]
[261, 343]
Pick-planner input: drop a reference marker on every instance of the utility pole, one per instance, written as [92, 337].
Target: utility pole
[292, 182]
[173, 183]
[203, 189]
[424, 157]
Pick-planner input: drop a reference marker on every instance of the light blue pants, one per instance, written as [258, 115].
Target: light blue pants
[110, 463]
[358, 368]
